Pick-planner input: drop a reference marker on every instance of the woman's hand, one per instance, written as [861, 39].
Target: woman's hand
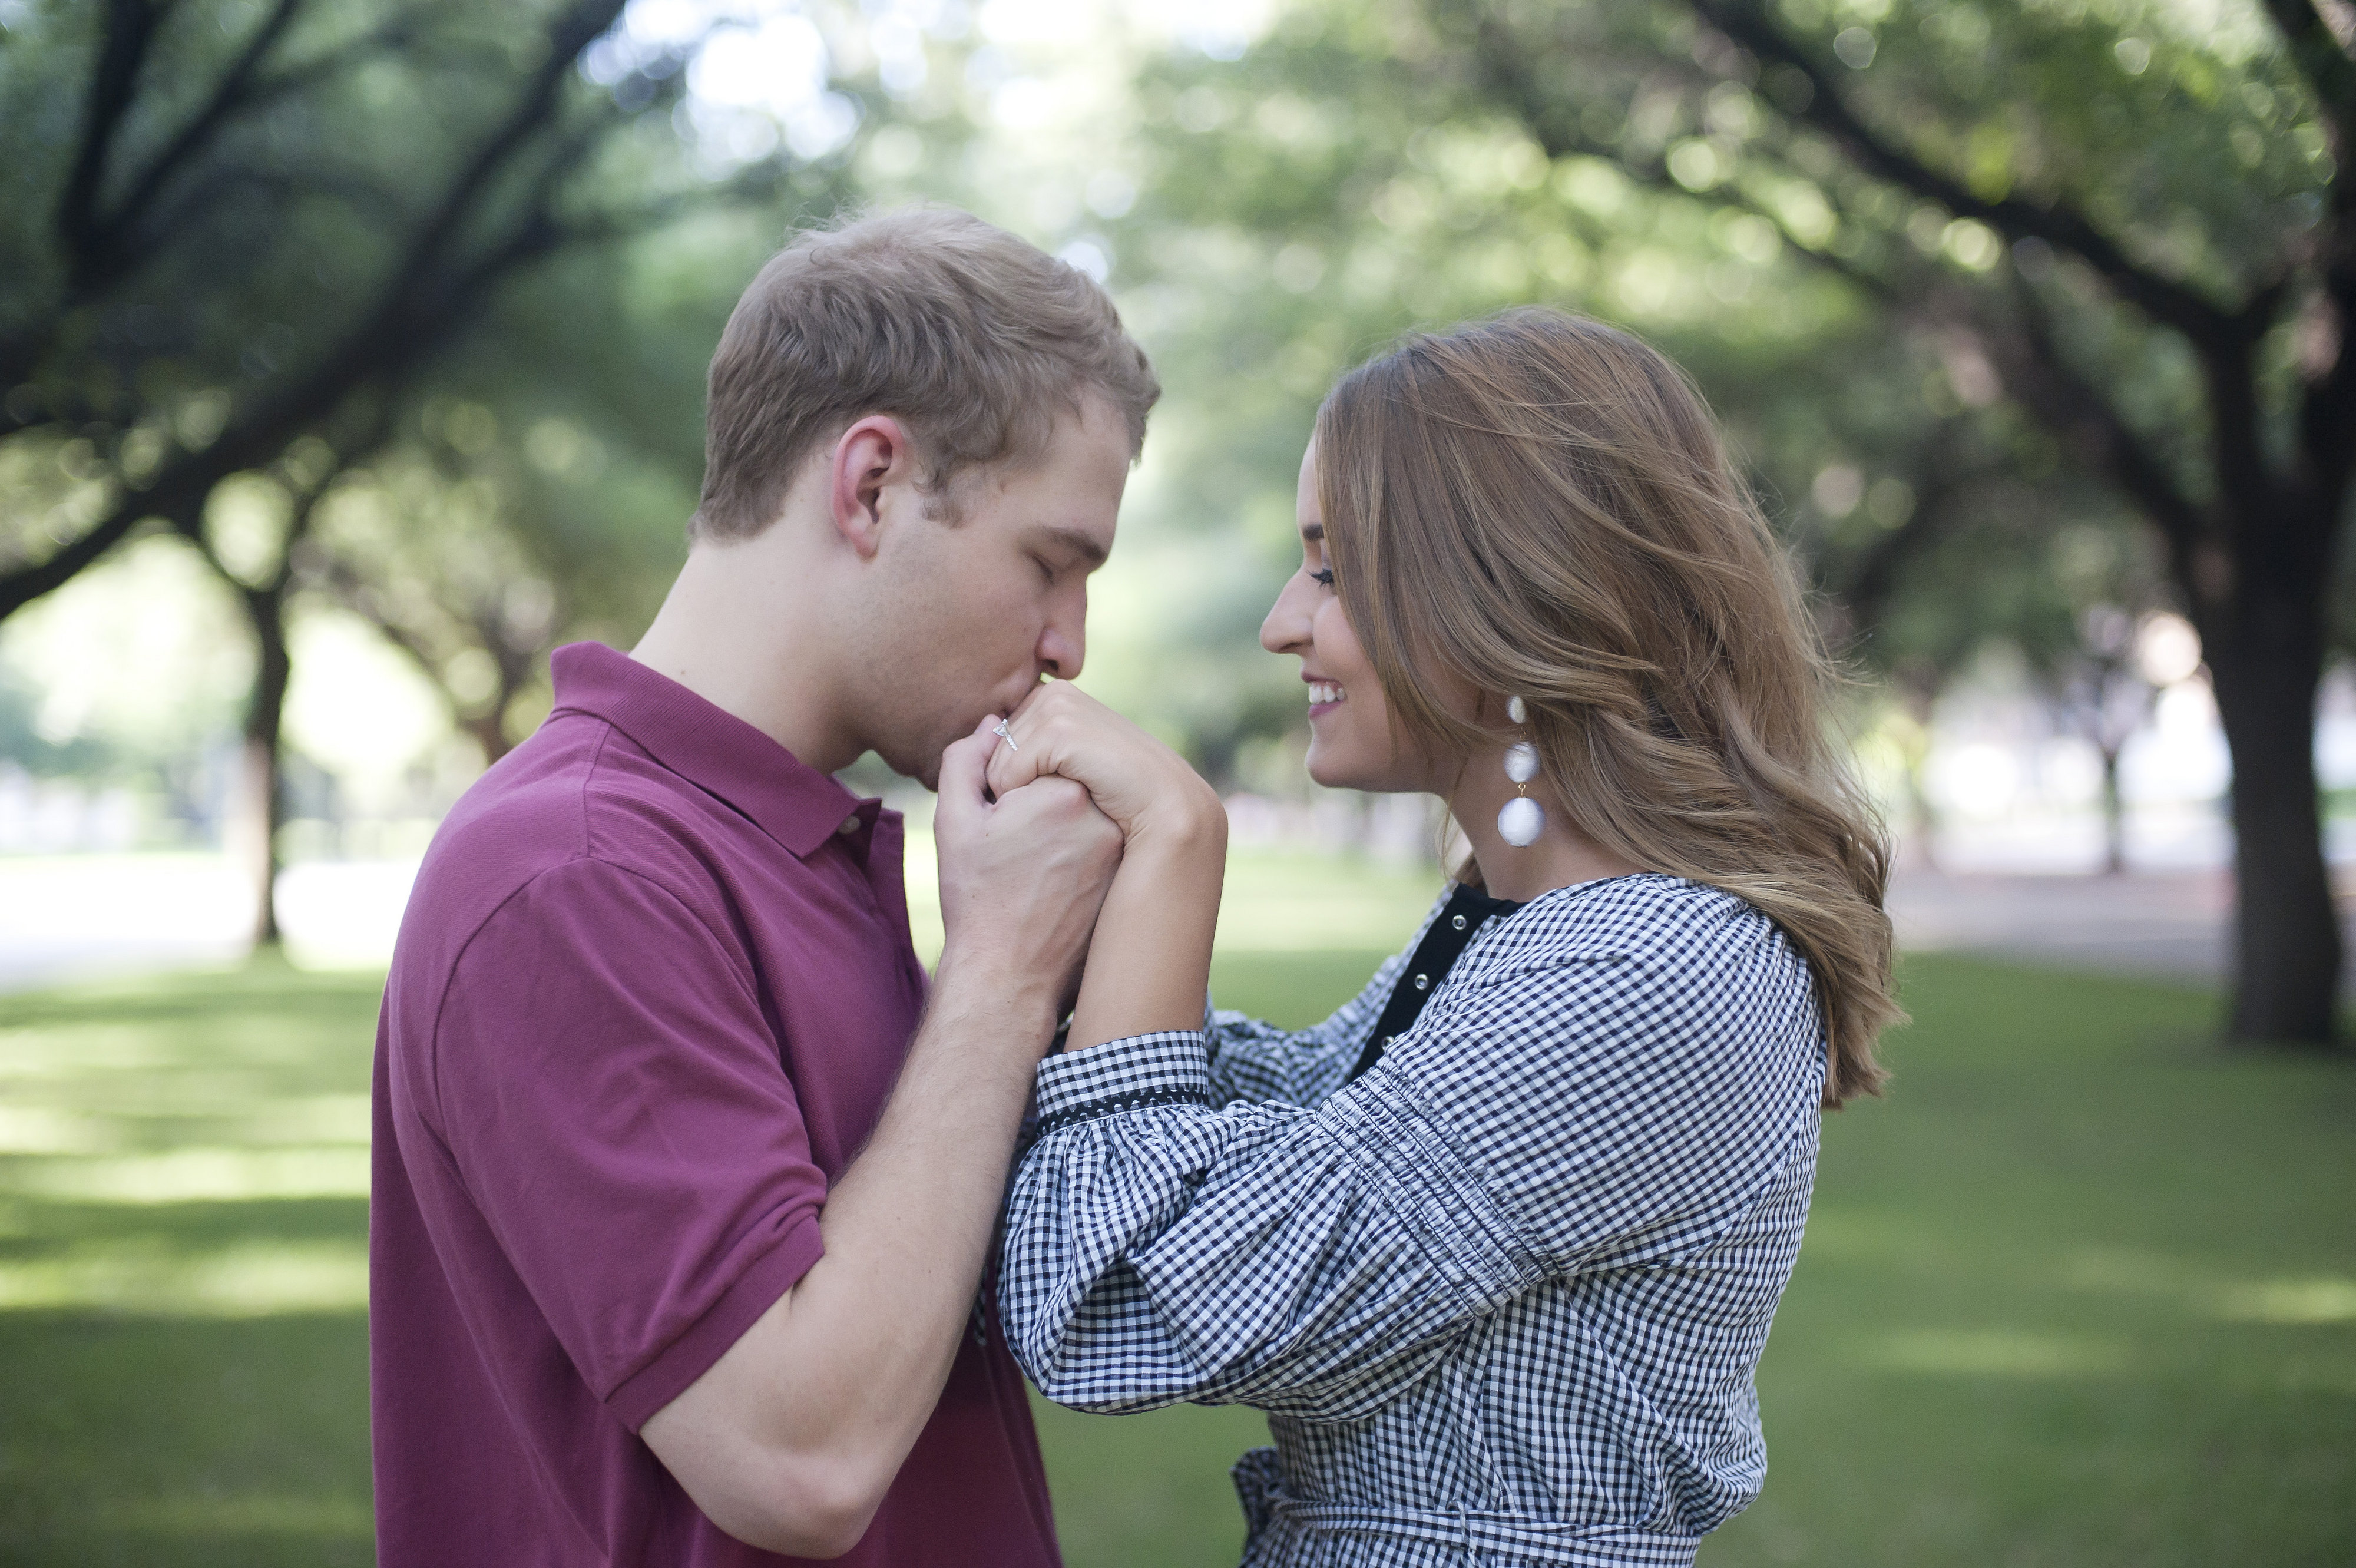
[1135, 779]
[1150, 959]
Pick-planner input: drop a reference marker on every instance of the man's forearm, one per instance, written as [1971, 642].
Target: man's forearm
[912, 1219]
[829, 1389]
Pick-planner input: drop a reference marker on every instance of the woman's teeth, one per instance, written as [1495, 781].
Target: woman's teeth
[1322, 692]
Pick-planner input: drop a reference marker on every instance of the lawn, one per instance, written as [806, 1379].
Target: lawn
[2080, 1291]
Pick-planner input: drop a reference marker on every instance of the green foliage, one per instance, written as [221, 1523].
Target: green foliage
[405, 306]
[1365, 169]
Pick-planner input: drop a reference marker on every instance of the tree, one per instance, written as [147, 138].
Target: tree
[251, 243]
[2087, 254]
[2188, 222]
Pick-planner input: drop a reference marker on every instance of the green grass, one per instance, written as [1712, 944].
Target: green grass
[183, 1218]
[2081, 1292]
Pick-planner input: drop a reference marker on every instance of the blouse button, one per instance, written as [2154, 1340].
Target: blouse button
[1458, 922]
[850, 825]
[1423, 983]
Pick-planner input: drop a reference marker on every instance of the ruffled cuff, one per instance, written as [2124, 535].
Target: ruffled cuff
[1130, 1074]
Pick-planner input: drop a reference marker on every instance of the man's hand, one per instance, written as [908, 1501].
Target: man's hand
[1135, 779]
[1022, 877]
[1149, 961]
[789, 1441]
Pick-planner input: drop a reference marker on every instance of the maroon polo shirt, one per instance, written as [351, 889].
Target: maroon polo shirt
[649, 996]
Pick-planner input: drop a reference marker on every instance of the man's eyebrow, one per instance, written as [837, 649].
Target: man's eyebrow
[1078, 544]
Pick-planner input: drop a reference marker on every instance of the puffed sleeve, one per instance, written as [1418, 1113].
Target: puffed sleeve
[1306, 1261]
[1574, 1113]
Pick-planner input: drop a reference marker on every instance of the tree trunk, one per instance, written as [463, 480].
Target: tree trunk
[2286, 929]
[261, 781]
[489, 733]
[2115, 815]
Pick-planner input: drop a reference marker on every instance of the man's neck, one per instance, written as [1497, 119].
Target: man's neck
[737, 629]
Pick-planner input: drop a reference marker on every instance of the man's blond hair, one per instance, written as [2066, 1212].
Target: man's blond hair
[974, 340]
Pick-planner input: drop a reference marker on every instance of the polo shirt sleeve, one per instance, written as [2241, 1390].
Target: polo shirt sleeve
[615, 1103]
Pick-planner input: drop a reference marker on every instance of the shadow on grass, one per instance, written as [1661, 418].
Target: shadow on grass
[2080, 1293]
[189, 1443]
[266, 985]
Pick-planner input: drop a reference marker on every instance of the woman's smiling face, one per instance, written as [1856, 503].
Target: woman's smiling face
[1351, 745]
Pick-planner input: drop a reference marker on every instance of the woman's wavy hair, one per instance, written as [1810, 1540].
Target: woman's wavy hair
[1541, 505]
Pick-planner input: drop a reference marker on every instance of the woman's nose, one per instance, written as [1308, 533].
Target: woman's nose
[1286, 629]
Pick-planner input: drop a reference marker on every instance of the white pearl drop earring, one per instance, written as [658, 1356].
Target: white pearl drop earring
[1523, 819]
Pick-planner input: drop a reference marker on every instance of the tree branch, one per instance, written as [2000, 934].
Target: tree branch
[2327, 60]
[567, 38]
[105, 253]
[1505, 74]
[2163, 299]
[2328, 417]
[130, 31]
[2035, 367]
[357, 594]
[416, 311]
[1939, 481]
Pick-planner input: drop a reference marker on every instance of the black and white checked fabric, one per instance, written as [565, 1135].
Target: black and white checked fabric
[1503, 1295]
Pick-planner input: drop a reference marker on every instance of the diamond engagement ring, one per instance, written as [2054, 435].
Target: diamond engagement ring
[1000, 733]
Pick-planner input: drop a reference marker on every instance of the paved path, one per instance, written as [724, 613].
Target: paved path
[67, 916]
[2169, 925]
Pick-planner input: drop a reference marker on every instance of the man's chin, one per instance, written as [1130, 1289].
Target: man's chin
[921, 759]
[922, 766]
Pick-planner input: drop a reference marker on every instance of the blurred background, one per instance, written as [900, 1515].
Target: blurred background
[352, 358]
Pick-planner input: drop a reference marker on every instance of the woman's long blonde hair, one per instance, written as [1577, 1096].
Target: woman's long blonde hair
[1543, 506]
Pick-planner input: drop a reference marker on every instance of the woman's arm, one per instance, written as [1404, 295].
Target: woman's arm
[1149, 964]
[1159, 1252]
[1579, 1109]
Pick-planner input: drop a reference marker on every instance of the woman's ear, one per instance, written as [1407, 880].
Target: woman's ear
[872, 455]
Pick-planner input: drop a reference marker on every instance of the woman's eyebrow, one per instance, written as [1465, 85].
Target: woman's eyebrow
[1314, 533]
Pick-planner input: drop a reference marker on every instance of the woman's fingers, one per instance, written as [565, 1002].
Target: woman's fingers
[1011, 762]
[1056, 729]
[1061, 730]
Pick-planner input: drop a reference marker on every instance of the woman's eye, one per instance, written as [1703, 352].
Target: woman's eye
[1044, 570]
[1323, 576]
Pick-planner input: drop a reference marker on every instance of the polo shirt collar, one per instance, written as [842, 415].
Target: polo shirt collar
[709, 746]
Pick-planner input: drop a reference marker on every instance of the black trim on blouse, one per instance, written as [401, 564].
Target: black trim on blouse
[1443, 943]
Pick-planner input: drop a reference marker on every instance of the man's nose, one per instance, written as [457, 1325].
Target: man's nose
[1286, 629]
[1062, 646]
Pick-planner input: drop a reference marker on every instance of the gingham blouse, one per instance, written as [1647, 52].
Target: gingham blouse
[1502, 1297]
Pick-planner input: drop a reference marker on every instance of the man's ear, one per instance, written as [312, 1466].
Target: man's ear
[872, 455]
